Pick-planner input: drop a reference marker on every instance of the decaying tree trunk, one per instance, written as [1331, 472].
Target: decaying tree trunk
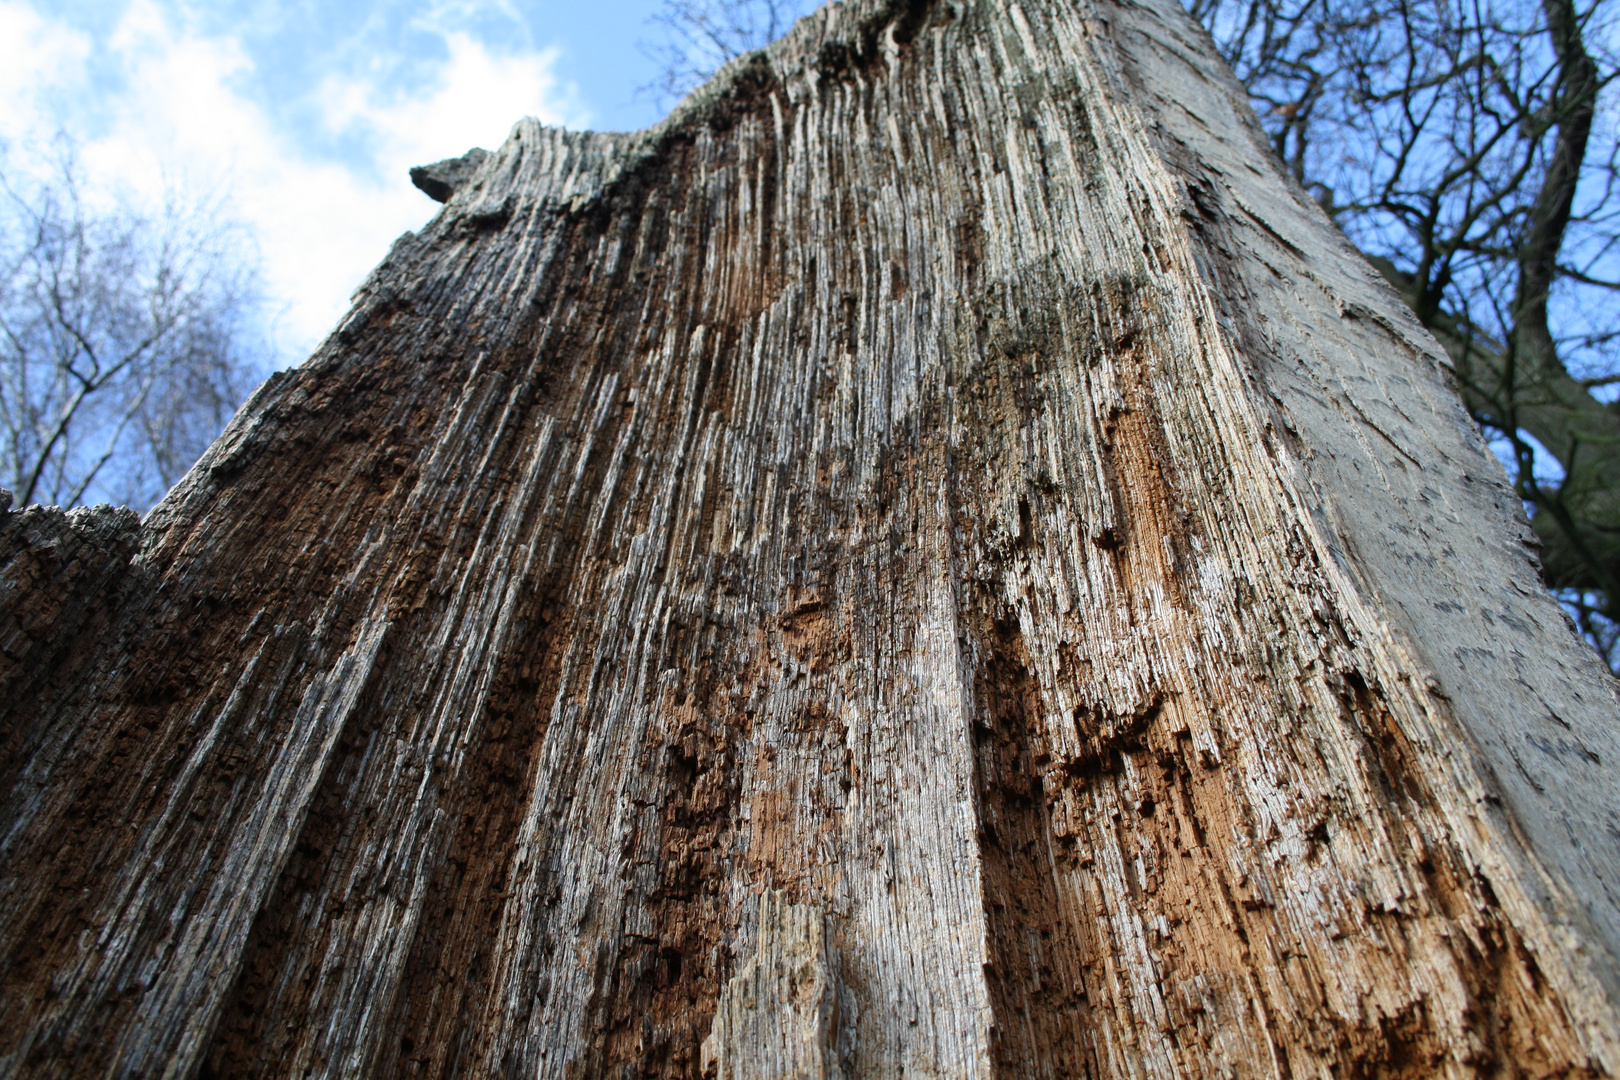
[933, 561]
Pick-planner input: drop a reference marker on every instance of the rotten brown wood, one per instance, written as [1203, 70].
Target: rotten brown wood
[943, 485]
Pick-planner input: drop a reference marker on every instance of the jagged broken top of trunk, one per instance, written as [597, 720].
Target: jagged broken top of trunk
[938, 543]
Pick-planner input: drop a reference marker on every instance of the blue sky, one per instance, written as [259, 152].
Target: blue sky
[305, 116]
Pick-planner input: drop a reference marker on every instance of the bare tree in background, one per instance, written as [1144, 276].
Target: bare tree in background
[1462, 145]
[121, 341]
[701, 35]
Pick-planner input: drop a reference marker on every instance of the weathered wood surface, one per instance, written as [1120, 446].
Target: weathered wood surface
[780, 1017]
[944, 473]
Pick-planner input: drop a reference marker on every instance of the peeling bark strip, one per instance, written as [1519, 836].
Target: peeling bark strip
[943, 473]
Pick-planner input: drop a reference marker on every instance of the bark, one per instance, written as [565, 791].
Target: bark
[937, 559]
[1577, 526]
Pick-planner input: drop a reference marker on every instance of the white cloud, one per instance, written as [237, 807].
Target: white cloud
[320, 225]
[472, 105]
[36, 58]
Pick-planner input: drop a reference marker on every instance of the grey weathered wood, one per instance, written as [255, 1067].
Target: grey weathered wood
[944, 473]
[778, 1018]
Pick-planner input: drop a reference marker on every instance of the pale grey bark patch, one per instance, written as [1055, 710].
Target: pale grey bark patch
[778, 1017]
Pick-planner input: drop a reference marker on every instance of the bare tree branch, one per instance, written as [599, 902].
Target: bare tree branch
[699, 36]
[106, 315]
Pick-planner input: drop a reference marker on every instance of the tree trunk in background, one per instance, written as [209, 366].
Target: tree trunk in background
[935, 560]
